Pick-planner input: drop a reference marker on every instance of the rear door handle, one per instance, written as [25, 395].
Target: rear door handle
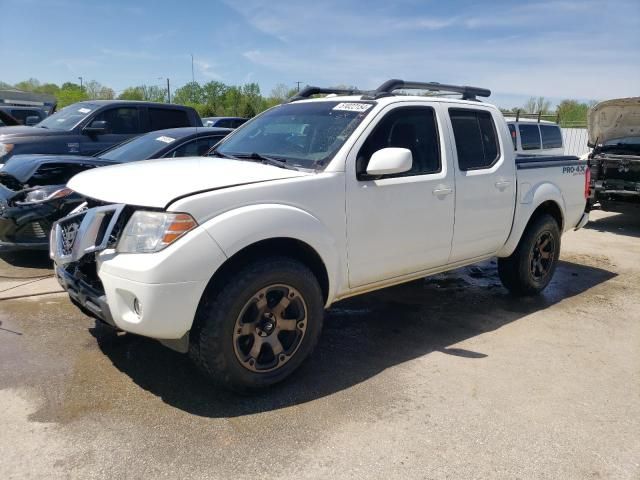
[502, 184]
[443, 191]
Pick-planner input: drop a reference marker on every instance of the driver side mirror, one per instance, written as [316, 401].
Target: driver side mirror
[389, 161]
[32, 120]
[96, 127]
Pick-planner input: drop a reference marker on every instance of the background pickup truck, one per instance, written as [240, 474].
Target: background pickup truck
[233, 259]
[86, 128]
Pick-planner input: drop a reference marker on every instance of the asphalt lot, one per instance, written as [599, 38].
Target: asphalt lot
[448, 377]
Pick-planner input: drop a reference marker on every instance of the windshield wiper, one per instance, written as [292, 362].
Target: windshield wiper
[223, 155]
[276, 162]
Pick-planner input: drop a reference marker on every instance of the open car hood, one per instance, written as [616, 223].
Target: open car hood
[612, 119]
[155, 183]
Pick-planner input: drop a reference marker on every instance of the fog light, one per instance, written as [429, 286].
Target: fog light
[137, 307]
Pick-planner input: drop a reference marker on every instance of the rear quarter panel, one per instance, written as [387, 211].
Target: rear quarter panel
[561, 182]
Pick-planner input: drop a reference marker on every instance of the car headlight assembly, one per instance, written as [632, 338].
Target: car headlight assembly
[5, 149]
[45, 194]
[148, 232]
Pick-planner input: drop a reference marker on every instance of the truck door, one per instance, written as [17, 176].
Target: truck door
[403, 223]
[485, 183]
[122, 124]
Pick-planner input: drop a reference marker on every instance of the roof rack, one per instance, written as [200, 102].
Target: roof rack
[308, 91]
[468, 93]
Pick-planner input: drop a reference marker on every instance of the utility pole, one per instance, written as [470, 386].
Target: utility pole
[298, 83]
[168, 89]
[81, 88]
[193, 77]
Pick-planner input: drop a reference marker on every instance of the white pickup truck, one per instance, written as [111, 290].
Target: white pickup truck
[233, 257]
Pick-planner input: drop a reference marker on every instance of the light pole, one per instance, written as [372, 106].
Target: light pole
[298, 83]
[168, 89]
[81, 88]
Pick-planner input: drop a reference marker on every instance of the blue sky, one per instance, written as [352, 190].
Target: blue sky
[554, 48]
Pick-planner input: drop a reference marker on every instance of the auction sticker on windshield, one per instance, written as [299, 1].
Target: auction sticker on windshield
[84, 110]
[165, 139]
[353, 107]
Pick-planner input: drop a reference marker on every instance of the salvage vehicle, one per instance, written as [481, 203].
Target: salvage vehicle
[86, 128]
[33, 192]
[614, 135]
[223, 122]
[234, 259]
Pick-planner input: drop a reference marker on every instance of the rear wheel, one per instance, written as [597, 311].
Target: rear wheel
[258, 328]
[531, 267]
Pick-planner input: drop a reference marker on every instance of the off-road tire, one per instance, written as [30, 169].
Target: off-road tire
[212, 340]
[517, 272]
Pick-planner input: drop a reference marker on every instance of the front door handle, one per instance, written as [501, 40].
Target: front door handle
[502, 184]
[441, 191]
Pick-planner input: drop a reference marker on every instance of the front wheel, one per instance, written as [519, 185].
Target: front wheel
[530, 268]
[258, 328]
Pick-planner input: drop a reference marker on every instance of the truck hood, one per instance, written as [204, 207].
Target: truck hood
[155, 183]
[22, 167]
[612, 119]
[10, 133]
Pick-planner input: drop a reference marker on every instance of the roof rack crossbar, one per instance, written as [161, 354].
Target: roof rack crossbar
[308, 92]
[468, 93]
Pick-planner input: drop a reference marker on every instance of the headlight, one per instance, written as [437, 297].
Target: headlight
[45, 194]
[5, 149]
[148, 232]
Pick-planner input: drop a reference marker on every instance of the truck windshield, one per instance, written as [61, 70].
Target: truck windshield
[68, 117]
[306, 134]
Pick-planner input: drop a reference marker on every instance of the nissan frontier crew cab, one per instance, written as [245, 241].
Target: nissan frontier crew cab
[233, 258]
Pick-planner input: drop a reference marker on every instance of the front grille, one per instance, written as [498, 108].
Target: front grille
[68, 233]
[86, 232]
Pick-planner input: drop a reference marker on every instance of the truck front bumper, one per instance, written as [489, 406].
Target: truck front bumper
[151, 294]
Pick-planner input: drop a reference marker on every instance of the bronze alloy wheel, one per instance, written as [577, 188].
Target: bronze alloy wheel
[542, 256]
[270, 328]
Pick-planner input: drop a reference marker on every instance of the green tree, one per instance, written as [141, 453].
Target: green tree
[30, 85]
[573, 112]
[132, 93]
[190, 93]
[97, 91]
[70, 93]
[232, 101]
[213, 93]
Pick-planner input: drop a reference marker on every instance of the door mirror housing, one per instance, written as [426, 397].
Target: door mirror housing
[389, 161]
[32, 120]
[96, 127]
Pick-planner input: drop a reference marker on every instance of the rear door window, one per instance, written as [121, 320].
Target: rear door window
[476, 138]
[529, 137]
[551, 136]
[162, 118]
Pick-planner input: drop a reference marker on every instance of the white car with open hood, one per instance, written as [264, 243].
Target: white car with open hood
[233, 257]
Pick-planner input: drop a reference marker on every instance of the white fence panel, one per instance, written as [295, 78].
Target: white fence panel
[575, 141]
